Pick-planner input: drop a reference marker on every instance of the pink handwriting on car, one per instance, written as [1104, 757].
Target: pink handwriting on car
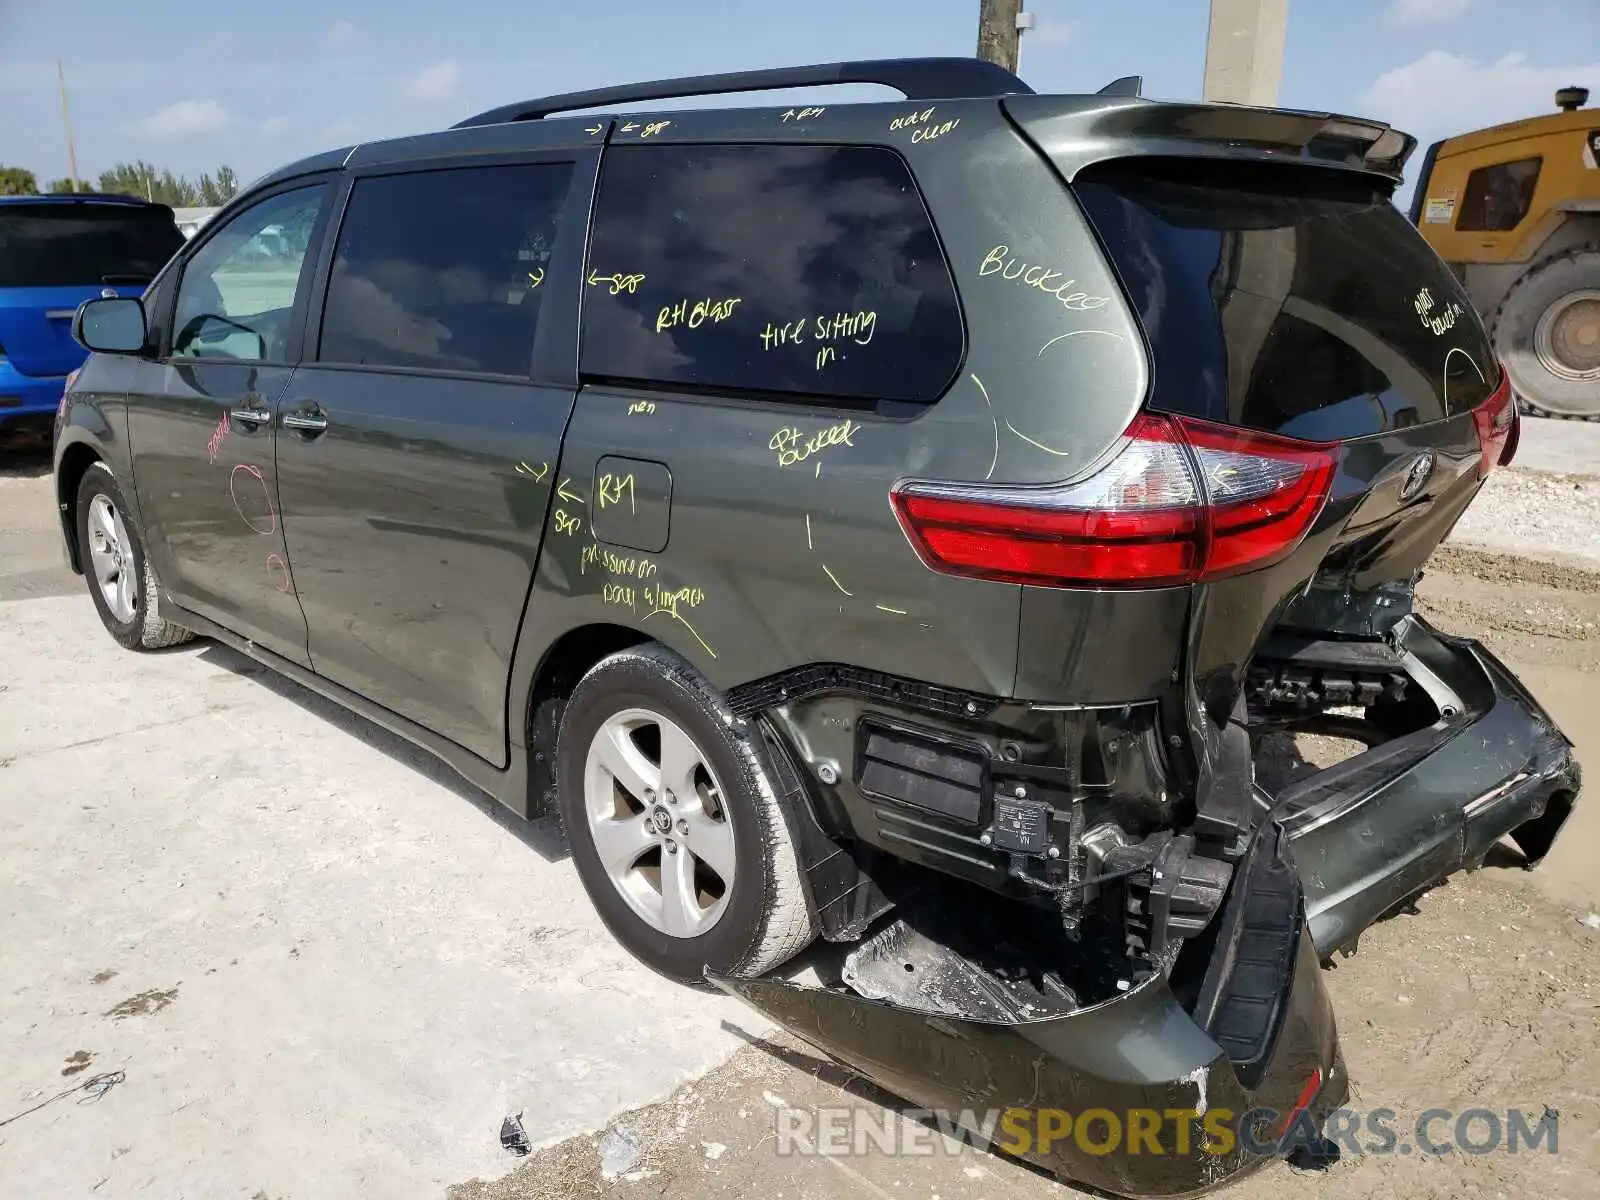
[217, 434]
[278, 571]
[243, 483]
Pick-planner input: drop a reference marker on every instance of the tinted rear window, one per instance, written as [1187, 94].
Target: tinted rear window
[808, 269]
[80, 245]
[1288, 299]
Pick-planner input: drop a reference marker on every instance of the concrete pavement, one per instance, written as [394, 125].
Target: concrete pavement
[327, 967]
[1567, 447]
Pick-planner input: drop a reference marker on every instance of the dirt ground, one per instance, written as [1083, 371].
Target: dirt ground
[1486, 996]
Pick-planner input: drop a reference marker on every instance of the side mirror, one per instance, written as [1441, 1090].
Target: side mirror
[111, 326]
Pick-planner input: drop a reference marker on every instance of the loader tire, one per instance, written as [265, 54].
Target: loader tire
[1547, 332]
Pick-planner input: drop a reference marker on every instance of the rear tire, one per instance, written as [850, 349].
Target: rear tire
[1547, 332]
[122, 583]
[673, 821]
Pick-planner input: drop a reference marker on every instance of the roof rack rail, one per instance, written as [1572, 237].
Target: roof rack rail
[915, 78]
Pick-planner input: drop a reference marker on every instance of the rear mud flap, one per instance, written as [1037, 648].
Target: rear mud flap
[1382, 827]
[1140, 1093]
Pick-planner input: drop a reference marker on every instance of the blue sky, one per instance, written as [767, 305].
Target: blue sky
[191, 84]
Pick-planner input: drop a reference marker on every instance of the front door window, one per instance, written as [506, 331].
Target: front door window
[238, 291]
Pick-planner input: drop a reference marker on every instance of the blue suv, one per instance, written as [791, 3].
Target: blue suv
[55, 253]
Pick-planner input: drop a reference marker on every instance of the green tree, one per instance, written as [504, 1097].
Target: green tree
[63, 186]
[142, 179]
[17, 181]
[218, 191]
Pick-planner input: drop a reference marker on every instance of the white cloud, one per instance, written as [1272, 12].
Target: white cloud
[1427, 12]
[1441, 94]
[435, 81]
[274, 126]
[186, 118]
[340, 34]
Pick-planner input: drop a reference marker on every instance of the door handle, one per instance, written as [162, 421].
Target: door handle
[252, 416]
[304, 422]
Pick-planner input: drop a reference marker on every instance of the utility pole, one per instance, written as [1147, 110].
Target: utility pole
[1000, 31]
[66, 119]
[1244, 51]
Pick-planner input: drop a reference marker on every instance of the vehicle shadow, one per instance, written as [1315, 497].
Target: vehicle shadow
[543, 836]
[23, 460]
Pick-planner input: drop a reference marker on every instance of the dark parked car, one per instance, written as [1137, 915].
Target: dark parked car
[56, 252]
[878, 527]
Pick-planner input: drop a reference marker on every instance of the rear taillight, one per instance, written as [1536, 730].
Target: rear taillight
[1498, 427]
[1179, 501]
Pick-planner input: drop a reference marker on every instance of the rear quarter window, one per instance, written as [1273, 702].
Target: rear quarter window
[771, 269]
[80, 245]
[1287, 299]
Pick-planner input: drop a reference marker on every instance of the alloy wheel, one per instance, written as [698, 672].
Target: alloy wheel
[111, 555]
[659, 822]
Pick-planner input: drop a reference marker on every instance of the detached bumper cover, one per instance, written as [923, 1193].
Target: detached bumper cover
[1137, 1057]
[1378, 829]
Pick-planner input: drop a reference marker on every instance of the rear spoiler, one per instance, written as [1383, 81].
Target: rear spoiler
[1077, 131]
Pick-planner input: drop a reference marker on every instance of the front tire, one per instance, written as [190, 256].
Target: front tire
[122, 583]
[674, 823]
[1547, 332]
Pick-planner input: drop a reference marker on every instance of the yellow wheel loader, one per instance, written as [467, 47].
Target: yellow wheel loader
[1515, 211]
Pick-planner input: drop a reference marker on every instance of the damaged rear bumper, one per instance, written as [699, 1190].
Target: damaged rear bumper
[1214, 1078]
[1225, 1055]
[1379, 828]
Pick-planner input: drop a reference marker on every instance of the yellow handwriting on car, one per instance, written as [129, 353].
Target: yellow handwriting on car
[792, 445]
[999, 262]
[696, 314]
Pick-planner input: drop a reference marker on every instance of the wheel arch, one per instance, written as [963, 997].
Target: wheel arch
[565, 661]
[1489, 283]
[72, 464]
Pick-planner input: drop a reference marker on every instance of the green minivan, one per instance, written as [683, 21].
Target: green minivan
[883, 532]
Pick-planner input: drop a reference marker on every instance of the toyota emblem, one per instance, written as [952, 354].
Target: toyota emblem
[1416, 475]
